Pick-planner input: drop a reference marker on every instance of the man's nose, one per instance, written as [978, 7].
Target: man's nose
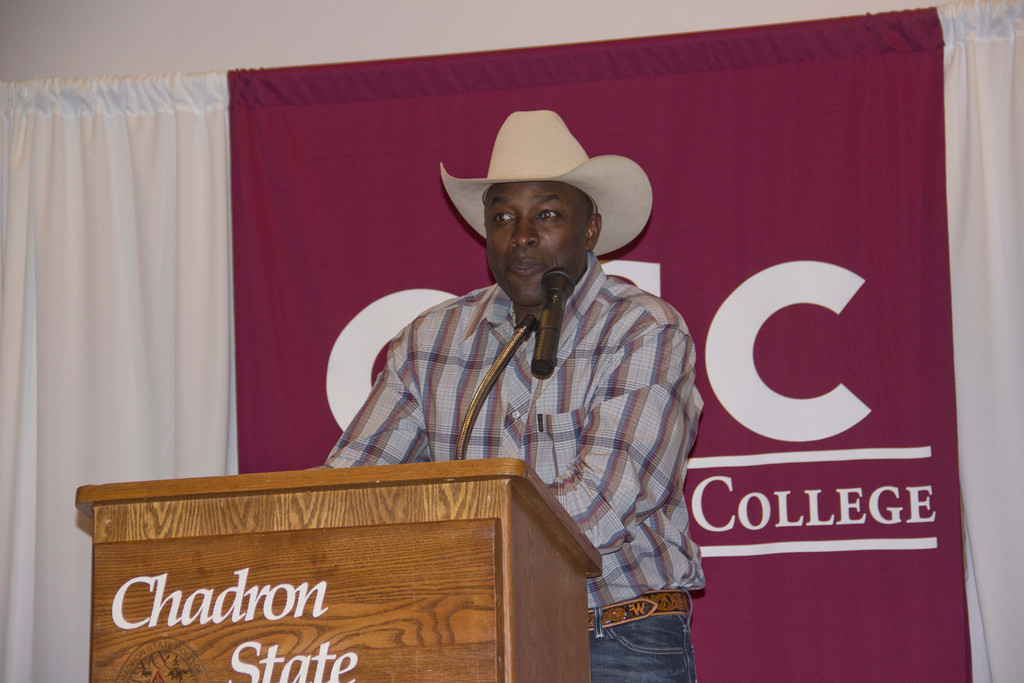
[525, 233]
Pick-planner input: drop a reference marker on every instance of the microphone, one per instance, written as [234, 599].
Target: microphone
[557, 284]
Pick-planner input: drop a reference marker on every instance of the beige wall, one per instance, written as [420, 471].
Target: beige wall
[90, 38]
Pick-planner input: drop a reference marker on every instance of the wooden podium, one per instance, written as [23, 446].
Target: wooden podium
[459, 571]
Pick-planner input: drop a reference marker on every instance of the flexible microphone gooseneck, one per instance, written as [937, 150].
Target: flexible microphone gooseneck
[557, 284]
[519, 335]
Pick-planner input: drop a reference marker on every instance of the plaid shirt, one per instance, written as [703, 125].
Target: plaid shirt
[609, 431]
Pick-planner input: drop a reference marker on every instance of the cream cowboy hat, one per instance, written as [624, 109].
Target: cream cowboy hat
[537, 145]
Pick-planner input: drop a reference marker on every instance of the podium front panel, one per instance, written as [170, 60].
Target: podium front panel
[410, 602]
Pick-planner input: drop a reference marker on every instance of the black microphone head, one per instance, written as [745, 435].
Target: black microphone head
[542, 368]
[558, 279]
[557, 284]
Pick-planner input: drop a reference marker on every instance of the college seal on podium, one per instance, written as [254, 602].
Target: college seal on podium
[163, 660]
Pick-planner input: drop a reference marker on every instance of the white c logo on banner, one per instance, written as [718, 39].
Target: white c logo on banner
[351, 360]
[730, 353]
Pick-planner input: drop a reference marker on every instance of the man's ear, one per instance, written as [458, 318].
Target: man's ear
[593, 231]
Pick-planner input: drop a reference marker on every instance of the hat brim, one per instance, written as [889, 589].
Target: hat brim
[618, 186]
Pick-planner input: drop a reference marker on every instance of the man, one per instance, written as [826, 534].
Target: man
[609, 430]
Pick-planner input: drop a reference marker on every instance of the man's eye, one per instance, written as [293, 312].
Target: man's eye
[500, 217]
[547, 213]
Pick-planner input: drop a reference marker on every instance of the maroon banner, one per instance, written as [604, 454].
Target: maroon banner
[799, 226]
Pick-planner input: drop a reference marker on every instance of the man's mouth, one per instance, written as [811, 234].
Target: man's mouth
[525, 267]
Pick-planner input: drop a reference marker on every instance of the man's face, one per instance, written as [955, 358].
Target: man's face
[531, 228]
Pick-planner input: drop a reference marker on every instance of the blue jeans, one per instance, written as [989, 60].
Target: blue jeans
[652, 650]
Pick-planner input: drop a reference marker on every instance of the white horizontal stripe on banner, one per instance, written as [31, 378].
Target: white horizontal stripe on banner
[810, 456]
[819, 546]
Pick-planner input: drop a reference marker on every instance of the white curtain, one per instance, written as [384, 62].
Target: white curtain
[984, 91]
[115, 328]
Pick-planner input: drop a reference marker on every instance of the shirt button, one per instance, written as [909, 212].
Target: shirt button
[516, 414]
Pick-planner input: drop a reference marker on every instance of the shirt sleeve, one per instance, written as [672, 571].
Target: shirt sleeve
[389, 428]
[634, 439]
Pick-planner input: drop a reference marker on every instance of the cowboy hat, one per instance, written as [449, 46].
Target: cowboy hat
[537, 146]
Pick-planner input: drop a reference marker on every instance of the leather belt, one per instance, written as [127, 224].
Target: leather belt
[641, 607]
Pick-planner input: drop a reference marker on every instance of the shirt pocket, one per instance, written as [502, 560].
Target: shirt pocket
[559, 442]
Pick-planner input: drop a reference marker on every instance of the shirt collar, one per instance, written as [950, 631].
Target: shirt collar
[583, 296]
[496, 307]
